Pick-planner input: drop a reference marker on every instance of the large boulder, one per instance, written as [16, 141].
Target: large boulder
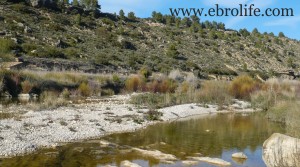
[281, 151]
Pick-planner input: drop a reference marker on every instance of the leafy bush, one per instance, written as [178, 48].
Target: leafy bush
[28, 47]
[49, 52]
[6, 57]
[153, 115]
[7, 45]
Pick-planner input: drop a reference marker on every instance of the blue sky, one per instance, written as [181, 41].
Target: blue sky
[289, 25]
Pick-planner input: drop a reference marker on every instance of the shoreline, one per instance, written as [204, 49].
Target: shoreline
[35, 130]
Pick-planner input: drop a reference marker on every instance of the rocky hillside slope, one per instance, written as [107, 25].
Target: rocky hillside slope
[66, 37]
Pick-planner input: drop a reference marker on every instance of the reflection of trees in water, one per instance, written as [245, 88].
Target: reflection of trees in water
[181, 138]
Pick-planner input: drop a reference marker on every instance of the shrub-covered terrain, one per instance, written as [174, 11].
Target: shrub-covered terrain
[84, 40]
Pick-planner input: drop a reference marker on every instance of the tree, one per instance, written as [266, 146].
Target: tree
[195, 19]
[172, 51]
[169, 20]
[186, 22]
[244, 32]
[90, 4]
[281, 35]
[122, 14]
[75, 3]
[131, 16]
[158, 17]
[177, 22]
[207, 25]
[255, 31]
[221, 26]
[78, 19]
[212, 34]
[290, 63]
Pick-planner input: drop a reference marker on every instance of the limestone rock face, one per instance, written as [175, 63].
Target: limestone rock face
[40, 3]
[281, 150]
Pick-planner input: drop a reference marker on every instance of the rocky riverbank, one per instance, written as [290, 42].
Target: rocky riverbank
[31, 130]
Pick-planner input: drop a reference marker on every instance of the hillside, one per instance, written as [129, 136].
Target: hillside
[71, 38]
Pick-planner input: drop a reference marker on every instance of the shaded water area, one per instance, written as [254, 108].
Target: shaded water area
[213, 136]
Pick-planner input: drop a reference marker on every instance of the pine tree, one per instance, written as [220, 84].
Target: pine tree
[75, 3]
[131, 16]
[281, 34]
[78, 19]
[122, 14]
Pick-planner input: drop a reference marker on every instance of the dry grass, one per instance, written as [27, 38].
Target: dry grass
[26, 86]
[135, 83]
[214, 92]
[242, 86]
[84, 89]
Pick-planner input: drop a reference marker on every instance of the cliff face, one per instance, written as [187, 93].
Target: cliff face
[76, 35]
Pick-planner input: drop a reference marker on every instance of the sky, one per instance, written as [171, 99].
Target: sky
[290, 26]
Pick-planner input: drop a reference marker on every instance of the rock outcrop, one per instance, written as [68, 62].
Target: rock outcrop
[40, 3]
[282, 151]
[239, 155]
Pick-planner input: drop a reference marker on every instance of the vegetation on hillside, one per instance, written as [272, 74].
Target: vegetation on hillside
[80, 32]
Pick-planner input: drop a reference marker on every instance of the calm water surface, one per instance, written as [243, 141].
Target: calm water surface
[214, 136]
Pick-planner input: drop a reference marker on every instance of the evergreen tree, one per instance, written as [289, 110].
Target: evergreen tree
[131, 16]
[195, 19]
[75, 3]
[90, 4]
[177, 22]
[281, 34]
[169, 20]
[172, 51]
[186, 22]
[255, 31]
[78, 19]
[158, 17]
[122, 14]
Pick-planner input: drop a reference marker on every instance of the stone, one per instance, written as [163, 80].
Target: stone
[281, 150]
[189, 163]
[129, 164]
[216, 161]
[40, 3]
[156, 154]
[27, 29]
[239, 155]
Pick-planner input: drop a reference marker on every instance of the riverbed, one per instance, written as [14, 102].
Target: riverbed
[216, 136]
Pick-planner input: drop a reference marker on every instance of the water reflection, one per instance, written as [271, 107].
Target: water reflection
[213, 136]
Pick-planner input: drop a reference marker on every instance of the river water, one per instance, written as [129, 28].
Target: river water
[213, 136]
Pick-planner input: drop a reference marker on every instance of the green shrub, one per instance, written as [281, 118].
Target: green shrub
[6, 57]
[28, 47]
[49, 52]
[153, 115]
[7, 45]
